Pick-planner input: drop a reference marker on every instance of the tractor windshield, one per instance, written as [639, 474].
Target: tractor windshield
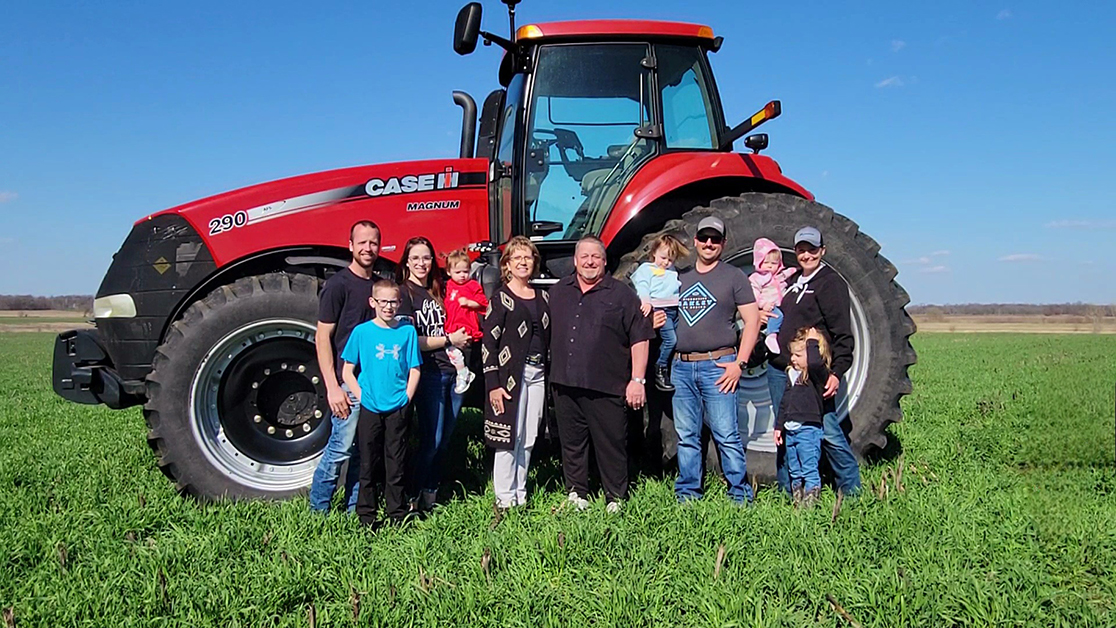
[586, 104]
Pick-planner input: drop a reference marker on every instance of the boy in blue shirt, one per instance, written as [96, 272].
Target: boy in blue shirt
[387, 354]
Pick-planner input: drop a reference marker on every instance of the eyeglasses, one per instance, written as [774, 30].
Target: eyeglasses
[709, 237]
[390, 304]
[521, 258]
[419, 258]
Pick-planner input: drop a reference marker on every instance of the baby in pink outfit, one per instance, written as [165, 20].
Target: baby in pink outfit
[769, 282]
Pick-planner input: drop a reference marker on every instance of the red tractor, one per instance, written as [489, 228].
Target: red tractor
[611, 127]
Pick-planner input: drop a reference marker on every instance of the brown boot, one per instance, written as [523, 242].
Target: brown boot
[797, 495]
[810, 497]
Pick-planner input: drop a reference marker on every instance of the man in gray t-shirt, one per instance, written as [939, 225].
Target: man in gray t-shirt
[708, 361]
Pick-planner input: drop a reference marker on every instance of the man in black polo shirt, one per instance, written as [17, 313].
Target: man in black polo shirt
[599, 343]
[342, 305]
[707, 362]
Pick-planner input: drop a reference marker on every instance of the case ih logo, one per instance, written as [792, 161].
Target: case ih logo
[413, 183]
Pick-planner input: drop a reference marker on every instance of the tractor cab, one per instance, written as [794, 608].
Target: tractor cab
[584, 106]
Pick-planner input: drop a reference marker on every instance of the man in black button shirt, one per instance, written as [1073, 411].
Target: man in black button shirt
[599, 344]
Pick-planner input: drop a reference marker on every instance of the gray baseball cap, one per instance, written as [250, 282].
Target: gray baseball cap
[809, 235]
[712, 222]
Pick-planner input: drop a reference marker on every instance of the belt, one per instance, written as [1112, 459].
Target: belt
[535, 359]
[701, 356]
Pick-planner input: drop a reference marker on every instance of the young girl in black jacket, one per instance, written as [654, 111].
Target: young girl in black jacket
[799, 420]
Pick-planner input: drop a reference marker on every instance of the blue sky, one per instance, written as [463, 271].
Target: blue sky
[972, 139]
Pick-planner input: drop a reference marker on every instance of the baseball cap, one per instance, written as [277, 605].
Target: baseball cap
[809, 235]
[712, 222]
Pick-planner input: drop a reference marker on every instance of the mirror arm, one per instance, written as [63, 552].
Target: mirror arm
[490, 39]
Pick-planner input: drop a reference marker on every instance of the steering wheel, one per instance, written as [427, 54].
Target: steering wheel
[565, 140]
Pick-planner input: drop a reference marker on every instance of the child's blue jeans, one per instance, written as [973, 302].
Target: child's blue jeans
[668, 335]
[774, 320]
[803, 452]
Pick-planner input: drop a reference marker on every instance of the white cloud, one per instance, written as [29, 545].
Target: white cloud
[897, 45]
[1021, 257]
[1004, 14]
[1081, 224]
[940, 253]
[934, 269]
[6, 196]
[891, 81]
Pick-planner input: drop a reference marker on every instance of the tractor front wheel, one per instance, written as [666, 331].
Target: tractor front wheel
[236, 404]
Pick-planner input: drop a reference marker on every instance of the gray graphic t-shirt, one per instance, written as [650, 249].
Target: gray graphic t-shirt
[707, 306]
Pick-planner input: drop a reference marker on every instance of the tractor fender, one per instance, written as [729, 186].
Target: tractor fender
[670, 173]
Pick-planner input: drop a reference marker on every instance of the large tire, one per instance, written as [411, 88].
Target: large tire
[878, 377]
[235, 404]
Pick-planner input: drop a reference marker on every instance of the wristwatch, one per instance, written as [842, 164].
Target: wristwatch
[640, 380]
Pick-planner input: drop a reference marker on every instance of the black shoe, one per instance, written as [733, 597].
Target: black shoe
[662, 379]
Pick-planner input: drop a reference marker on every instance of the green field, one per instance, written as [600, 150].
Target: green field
[1008, 517]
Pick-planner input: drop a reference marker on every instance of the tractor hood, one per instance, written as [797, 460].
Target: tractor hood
[445, 200]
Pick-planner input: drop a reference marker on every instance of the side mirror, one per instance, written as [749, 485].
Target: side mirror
[756, 142]
[467, 28]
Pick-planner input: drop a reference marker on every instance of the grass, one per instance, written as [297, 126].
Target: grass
[1007, 518]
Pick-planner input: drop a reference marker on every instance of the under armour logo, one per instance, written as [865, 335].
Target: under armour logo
[381, 351]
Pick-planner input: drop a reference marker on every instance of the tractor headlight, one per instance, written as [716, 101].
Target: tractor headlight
[114, 306]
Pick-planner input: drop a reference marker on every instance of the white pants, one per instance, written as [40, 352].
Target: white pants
[509, 469]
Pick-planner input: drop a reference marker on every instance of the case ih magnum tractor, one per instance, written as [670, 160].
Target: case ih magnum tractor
[613, 128]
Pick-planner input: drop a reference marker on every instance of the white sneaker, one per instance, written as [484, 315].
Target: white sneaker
[772, 343]
[581, 503]
[463, 383]
[613, 508]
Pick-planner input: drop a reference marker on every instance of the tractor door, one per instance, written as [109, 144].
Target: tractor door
[590, 124]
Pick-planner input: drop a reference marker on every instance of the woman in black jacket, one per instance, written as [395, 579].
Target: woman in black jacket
[514, 350]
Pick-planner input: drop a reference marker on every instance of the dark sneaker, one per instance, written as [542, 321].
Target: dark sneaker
[662, 379]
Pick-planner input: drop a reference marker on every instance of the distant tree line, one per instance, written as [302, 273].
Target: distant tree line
[72, 302]
[1087, 310]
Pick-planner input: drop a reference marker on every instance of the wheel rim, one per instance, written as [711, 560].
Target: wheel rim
[257, 407]
[857, 376]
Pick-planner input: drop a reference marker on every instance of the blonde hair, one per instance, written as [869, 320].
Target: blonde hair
[675, 248]
[517, 243]
[454, 257]
[799, 340]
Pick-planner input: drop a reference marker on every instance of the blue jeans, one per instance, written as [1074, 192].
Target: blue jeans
[803, 453]
[668, 336]
[774, 321]
[697, 399]
[835, 443]
[340, 447]
[436, 409]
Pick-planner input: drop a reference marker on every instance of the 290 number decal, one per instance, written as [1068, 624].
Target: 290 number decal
[227, 222]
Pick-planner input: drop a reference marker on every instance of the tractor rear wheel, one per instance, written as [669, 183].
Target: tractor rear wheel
[236, 406]
[881, 326]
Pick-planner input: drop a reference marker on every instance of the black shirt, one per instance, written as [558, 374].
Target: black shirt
[536, 347]
[429, 319]
[802, 401]
[592, 334]
[344, 302]
[822, 301]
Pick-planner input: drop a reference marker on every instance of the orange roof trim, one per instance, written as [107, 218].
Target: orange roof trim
[582, 29]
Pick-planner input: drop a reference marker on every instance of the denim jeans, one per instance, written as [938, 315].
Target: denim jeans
[803, 453]
[835, 443]
[774, 321]
[436, 409]
[697, 400]
[668, 336]
[340, 447]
